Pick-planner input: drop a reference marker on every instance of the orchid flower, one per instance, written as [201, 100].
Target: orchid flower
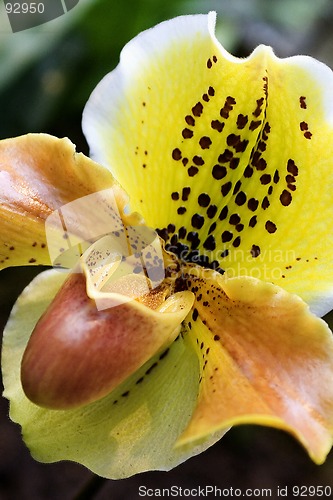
[156, 333]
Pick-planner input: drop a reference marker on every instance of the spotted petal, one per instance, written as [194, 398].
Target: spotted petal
[39, 175]
[131, 430]
[265, 359]
[229, 158]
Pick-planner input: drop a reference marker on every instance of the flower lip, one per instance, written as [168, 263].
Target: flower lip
[79, 353]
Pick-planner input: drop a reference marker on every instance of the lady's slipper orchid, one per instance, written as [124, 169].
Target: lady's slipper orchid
[149, 349]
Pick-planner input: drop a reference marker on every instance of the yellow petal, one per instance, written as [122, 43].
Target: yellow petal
[228, 157]
[39, 174]
[131, 430]
[265, 359]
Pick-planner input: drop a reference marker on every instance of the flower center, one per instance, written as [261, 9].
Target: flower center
[187, 255]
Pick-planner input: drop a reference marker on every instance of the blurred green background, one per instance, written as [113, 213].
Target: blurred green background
[46, 76]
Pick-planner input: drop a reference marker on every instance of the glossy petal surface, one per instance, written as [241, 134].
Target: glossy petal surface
[77, 354]
[131, 430]
[228, 157]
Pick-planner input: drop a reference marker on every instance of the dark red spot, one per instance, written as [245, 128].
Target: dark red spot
[212, 228]
[265, 179]
[226, 188]
[261, 164]
[219, 172]
[175, 195]
[270, 227]
[276, 177]
[253, 221]
[233, 139]
[192, 171]
[197, 109]
[241, 146]
[255, 251]
[217, 125]
[292, 168]
[302, 102]
[234, 219]
[285, 198]
[241, 121]
[290, 179]
[237, 187]
[187, 133]
[203, 200]
[254, 124]
[240, 198]
[265, 203]
[211, 211]
[257, 111]
[253, 204]
[265, 86]
[209, 243]
[248, 172]
[224, 213]
[226, 236]
[190, 120]
[262, 146]
[185, 193]
[228, 106]
[226, 156]
[236, 242]
[205, 142]
[234, 163]
[197, 221]
[197, 160]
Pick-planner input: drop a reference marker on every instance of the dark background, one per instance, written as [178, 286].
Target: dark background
[46, 76]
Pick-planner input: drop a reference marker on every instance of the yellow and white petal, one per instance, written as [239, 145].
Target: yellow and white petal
[265, 359]
[41, 178]
[231, 158]
[131, 430]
